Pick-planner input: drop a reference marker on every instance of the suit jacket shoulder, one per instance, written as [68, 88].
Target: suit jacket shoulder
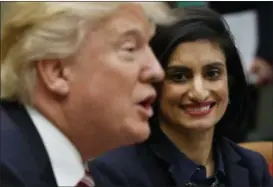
[118, 168]
[249, 157]
[24, 160]
[253, 161]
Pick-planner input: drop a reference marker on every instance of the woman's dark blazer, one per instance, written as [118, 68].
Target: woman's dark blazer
[138, 166]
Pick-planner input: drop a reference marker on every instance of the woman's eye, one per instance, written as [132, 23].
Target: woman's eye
[179, 77]
[213, 74]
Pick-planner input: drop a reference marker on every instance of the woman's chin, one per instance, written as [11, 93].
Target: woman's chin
[198, 126]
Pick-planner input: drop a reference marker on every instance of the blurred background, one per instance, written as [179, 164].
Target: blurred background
[252, 26]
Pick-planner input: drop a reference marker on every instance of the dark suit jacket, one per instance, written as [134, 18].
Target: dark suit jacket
[24, 160]
[139, 166]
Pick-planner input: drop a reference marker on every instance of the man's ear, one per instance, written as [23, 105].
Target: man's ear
[51, 74]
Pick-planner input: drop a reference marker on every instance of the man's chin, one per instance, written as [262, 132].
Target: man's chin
[140, 132]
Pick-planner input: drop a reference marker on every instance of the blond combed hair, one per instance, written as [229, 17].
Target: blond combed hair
[34, 31]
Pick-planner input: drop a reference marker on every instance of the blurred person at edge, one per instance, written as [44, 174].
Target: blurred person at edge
[262, 65]
[201, 100]
[76, 81]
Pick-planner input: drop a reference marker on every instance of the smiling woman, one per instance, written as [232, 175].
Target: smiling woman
[195, 93]
[198, 104]
[202, 56]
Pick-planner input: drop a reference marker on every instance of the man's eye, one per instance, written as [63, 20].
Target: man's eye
[128, 47]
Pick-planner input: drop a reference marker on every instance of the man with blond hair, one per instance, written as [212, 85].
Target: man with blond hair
[76, 81]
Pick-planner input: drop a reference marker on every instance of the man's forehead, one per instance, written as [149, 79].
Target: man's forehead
[132, 17]
[133, 9]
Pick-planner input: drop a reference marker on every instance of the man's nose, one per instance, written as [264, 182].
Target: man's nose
[153, 71]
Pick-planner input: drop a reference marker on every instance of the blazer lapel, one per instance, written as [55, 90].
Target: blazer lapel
[237, 174]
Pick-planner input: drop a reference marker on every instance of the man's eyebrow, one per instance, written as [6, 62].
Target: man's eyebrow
[135, 32]
[138, 33]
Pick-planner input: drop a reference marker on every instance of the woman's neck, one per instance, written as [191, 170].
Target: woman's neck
[196, 145]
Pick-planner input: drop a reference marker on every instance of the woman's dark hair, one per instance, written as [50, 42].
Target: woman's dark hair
[204, 23]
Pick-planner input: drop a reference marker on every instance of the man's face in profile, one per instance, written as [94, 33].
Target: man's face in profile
[112, 90]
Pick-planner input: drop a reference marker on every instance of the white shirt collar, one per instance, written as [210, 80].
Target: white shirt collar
[65, 159]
